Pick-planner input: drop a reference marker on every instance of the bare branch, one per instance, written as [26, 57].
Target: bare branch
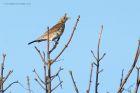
[39, 83]
[102, 57]
[60, 69]
[44, 56]
[60, 81]
[48, 45]
[76, 89]
[100, 71]
[131, 69]
[10, 72]
[57, 86]
[121, 80]
[93, 55]
[38, 76]
[99, 41]
[43, 60]
[57, 75]
[45, 79]
[98, 59]
[28, 83]
[121, 77]
[138, 80]
[95, 64]
[10, 85]
[68, 40]
[88, 90]
[2, 70]
[48, 86]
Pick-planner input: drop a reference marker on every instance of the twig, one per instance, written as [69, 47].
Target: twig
[48, 45]
[99, 40]
[28, 83]
[57, 86]
[138, 80]
[38, 76]
[10, 85]
[39, 83]
[45, 78]
[48, 86]
[21, 85]
[76, 89]
[10, 72]
[68, 41]
[121, 77]
[90, 81]
[102, 56]
[44, 56]
[98, 59]
[60, 69]
[131, 69]
[93, 55]
[121, 80]
[43, 59]
[57, 75]
[60, 81]
[2, 70]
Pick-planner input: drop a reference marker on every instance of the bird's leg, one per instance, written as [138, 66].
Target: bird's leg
[56, 40]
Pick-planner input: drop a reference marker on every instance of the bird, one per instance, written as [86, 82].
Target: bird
[55, 32]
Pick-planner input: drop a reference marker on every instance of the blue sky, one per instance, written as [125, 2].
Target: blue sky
[20, 24]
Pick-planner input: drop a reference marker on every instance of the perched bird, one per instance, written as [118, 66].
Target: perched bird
[55, 32]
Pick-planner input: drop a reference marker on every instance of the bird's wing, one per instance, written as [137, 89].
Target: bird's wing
[56, 27]
[51, 31]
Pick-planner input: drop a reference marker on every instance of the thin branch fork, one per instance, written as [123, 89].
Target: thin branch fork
[68, 40]
[10, 72]
[57, 86]
[76, 89]
[98, 59]
[131, 69]
[60, 69]
[39, 83]
[138, 80]
[57, 75]
[90, 80]
[42, 57]
[37, 76]
[10, 85]
[2, 70]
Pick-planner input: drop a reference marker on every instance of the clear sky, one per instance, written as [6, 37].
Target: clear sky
[24, 20]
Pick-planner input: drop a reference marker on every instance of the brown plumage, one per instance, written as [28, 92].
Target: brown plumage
[55, 32]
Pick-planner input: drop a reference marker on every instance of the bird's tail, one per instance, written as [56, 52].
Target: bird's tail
[36, 41]
[32, 42]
